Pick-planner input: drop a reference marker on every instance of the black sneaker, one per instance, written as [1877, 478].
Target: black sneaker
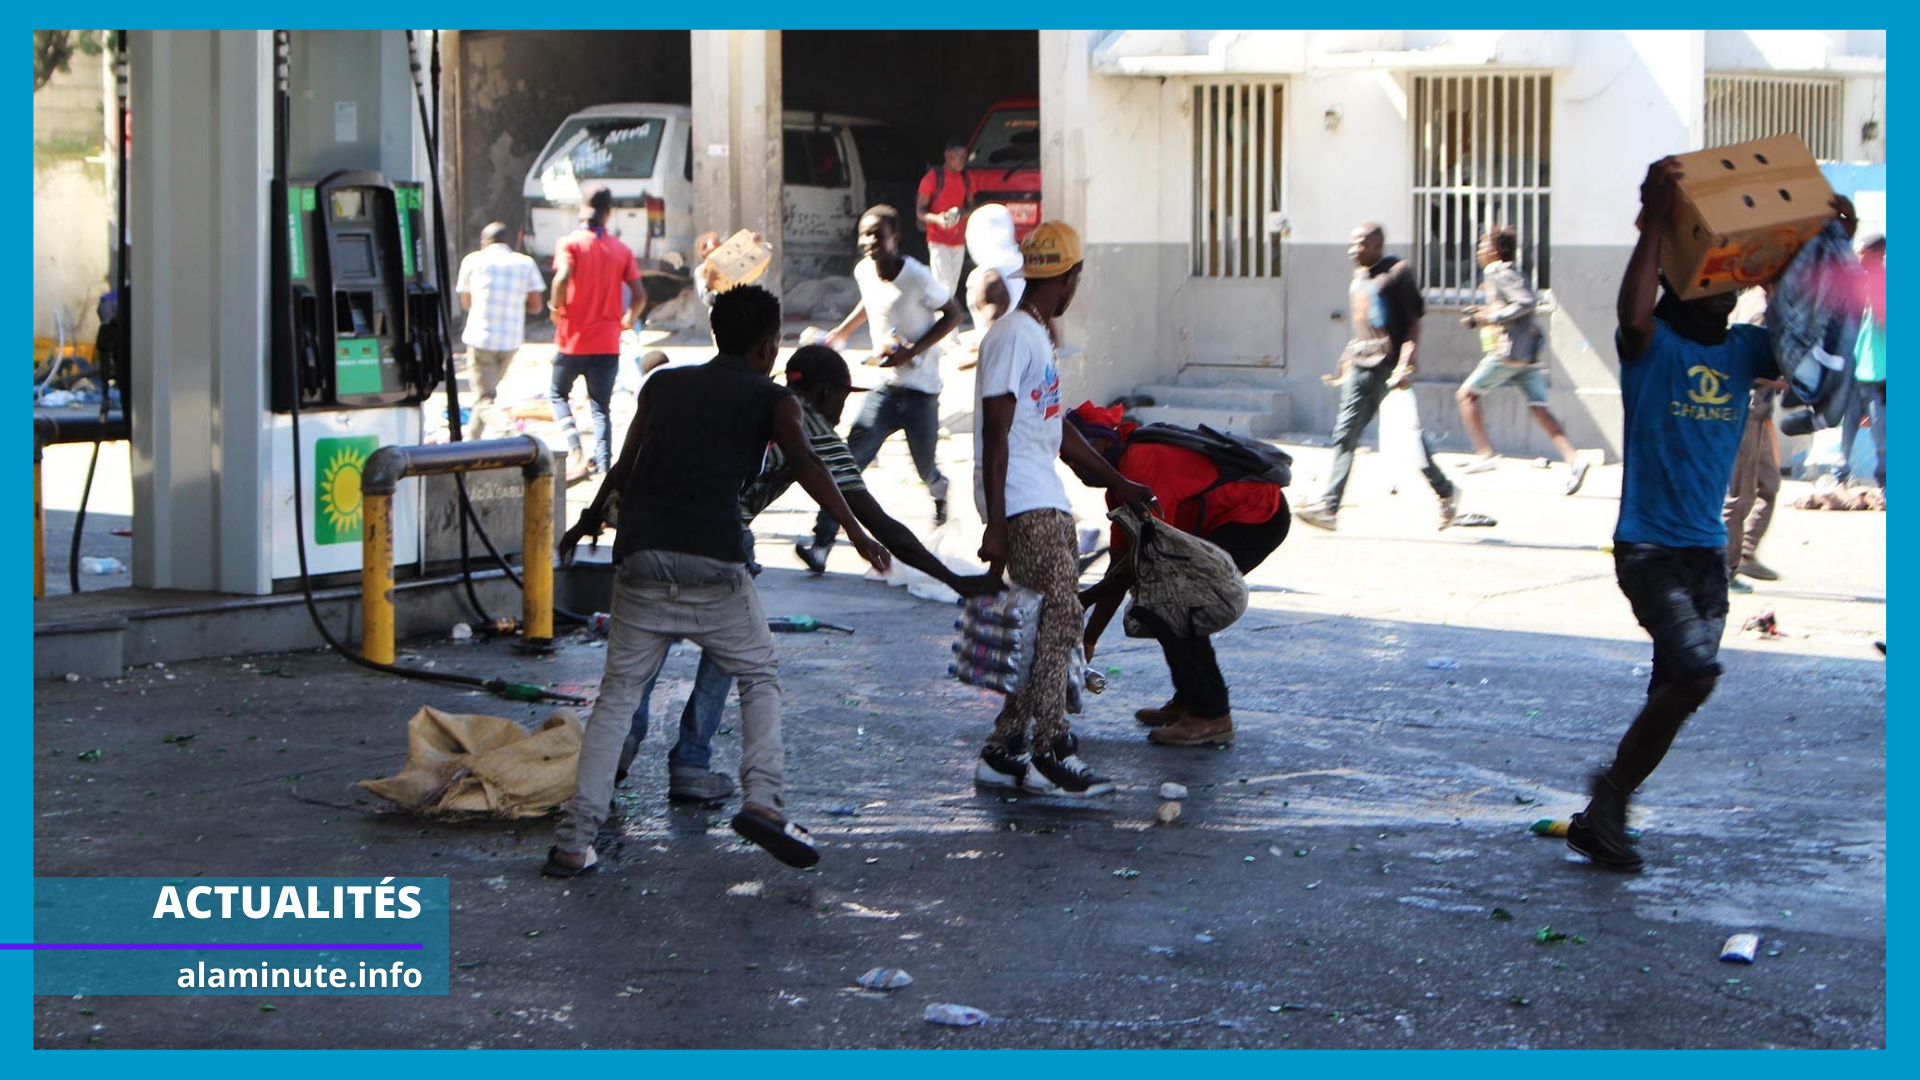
[939, 512]
[1001, 767]
[814, 557]
[1600, 833]
[1060, 771]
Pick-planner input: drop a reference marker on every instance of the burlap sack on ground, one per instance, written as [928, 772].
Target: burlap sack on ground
[460, 763]
[1180, 580]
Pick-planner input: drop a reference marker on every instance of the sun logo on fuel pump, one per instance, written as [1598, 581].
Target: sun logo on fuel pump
[339, 502]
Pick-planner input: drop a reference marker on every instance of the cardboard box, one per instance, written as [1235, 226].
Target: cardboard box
[741, 260]
[1742, 213]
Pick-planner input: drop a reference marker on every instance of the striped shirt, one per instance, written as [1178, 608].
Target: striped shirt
[499, 279]
[776, 476]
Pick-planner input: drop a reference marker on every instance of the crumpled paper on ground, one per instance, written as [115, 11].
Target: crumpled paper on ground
[460, 763]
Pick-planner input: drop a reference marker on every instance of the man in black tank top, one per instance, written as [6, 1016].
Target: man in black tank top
[699, 435]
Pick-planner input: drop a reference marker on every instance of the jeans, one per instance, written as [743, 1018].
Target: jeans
[1679, 595]
[1360, 398]
[698, 721]
[1198, 684]
[887, 410]
[721, 614]
[1869, 400]
[600, 372]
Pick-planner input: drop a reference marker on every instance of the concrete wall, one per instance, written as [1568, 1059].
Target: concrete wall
[71, 200]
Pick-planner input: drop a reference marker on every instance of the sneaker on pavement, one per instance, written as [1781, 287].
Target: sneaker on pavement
[686, 784]
[814, 557]
[939, 512]
[1170, 713]
[1579, 476]
[1487, 463]
[1449, 508]
[1001, 767]
[1600, 833]
[1318, 515]
[1738, 584]
[1193, 731]
[1758, 570]
[1064, 772]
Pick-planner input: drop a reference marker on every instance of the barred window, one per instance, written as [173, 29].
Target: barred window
[1481, 158]
[1236, 179]
[1741, 108]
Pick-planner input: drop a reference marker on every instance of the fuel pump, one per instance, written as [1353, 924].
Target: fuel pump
[365, 328]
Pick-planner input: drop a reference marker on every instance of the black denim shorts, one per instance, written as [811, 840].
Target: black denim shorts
[1680, 597]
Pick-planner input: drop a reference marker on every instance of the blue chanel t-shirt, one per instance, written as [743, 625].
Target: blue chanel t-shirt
[1686, 408]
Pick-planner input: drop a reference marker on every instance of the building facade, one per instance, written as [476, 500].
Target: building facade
[1217, 174]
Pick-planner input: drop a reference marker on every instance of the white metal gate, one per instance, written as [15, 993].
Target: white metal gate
[1745, 107]
[1237, 179]
[1481, 157]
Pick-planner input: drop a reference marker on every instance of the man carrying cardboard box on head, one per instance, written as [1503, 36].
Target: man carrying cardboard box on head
[1684, 375]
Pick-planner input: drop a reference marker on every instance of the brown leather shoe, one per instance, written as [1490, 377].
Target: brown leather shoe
[1170, 713]
[1194, 731]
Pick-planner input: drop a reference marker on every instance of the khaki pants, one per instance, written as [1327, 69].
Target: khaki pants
[714, 605]
[1751, 494]
[485, 368]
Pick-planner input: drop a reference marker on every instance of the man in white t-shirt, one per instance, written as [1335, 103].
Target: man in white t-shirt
[1017, 435]
[908, 313]
[499, 288]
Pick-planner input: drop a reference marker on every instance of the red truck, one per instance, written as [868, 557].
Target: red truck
[1003, 161]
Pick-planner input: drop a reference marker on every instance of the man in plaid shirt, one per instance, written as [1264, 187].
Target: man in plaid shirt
[499, 288]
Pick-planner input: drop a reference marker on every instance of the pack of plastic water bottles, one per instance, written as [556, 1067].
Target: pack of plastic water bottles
[997, 637]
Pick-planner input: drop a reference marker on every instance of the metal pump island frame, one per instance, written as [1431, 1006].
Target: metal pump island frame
[391, 464]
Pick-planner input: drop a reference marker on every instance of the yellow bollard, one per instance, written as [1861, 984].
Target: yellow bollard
[39, 533]
[536, 614]
[376, 577]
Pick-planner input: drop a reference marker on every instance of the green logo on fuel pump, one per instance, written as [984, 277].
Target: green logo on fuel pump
[336, 498]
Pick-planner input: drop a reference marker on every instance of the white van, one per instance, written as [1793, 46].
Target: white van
[836, 166]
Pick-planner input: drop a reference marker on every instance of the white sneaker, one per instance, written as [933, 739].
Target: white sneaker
[1482, 464]
[1449, 508]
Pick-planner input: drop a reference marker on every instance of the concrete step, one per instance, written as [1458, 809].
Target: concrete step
[1259, 423]
[1241, 375]
[1223, 398]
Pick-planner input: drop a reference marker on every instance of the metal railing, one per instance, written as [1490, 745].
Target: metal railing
[391, 464]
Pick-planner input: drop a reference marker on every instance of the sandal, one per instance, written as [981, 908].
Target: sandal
[557, 869]
[781, 838]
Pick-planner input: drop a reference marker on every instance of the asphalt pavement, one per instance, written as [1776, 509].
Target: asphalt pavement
[1355, 871]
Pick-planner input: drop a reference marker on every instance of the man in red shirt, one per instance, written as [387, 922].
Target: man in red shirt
[1247, 519]
[946, 195]
[589, 270]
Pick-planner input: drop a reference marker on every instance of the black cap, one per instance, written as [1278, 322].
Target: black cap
[817, 365]
[956, 142]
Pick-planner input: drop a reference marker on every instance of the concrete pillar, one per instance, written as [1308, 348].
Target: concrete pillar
[198, 214]
[1064, 118]
[739, 163]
